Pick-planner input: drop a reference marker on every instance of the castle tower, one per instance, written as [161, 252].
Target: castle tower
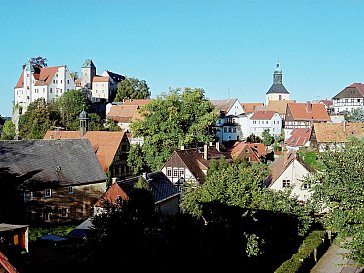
[88, 71]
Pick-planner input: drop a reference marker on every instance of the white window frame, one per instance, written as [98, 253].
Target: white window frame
[48, 193]
[71, 190]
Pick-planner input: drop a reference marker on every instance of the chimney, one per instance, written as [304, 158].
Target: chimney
[308, 106]
[218, 146]
[113, 180]
[344, 126]
[205, 151]
[182, 147]
[210, 144]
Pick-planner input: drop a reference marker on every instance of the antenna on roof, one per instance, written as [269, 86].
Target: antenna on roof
[228, 93]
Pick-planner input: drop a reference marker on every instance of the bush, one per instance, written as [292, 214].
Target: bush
[303, 260]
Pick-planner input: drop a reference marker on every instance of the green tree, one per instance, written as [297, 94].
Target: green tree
[70, 105]
[8, 130]
[268, 139]
[356, 115]
[132, 88]
[171, 120]
[111, 126]
[340, 190]
[253, 139]
[240, 185]
[136, 159]
[39, 117]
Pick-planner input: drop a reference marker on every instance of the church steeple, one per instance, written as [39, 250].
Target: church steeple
[83, 122]
[277, 75]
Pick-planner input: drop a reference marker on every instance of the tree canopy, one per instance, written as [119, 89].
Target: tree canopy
[38, 61]
[268, 139]
[356, 115]
[173, 119]
[341, 191]
[8, 130]
[132, 88]
[39, 117]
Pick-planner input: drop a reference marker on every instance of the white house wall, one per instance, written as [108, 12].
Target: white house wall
[274, 126]
[295, 172]
[236, 109]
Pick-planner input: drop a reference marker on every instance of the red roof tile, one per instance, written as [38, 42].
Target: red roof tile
[265, 115]
[105, 144]
[299, 137]
[307, 112]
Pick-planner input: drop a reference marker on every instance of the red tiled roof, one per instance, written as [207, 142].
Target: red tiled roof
[111, 195]
[359, 87]
[46, 75]
[338, 132]
[104, 143]
[100, 79]
[124, 113]
[251, 107]
[299, 137]
[307, 111]
[20, 82]
[265, 115]
[137, 102]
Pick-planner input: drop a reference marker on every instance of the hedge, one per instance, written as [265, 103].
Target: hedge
[304, 259]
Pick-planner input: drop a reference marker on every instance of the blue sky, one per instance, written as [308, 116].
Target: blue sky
[228, 48]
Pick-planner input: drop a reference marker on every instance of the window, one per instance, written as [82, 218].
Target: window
[229, 129]
[48, 193]
[71, 190]
[50, 90]
[181, 173]
[64, 212]
[61, 81]
[175, 172]
[225, 130]
[234, 130]
[286, 183]
[169, 172]
[28, 196]
[68, 81]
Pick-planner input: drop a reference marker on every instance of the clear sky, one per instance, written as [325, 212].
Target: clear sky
[228, 48]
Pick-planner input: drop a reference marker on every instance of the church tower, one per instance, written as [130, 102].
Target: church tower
[277, 91]
[83, 123]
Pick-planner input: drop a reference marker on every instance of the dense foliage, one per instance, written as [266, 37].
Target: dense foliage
[267, 138]
[132, 88]
[171, 120]
[8, 130]
[356, 115]
[233, 198]
[64, 112]
[340, 191]
[39, 117]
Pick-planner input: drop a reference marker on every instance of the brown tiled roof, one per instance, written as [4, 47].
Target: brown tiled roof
[258, 149]
[224, 105]
[46, 75]
[299, 137]
[194, 161]
[335, 133]
[100, 79]
[327, 103]
[251, 107]
[265, 115]
[137, 102]
[307, 111]
[280, 164]
[349, 91]
[104, 143]
[124, 113]
[278, 106]
[20, 82]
